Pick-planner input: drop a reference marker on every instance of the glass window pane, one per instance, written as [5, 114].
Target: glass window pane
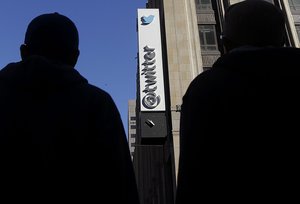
[203, 4]
[271, 1]
[298, 31]
[294, 4]
[208, 39]
[205, 1]
[202, 42]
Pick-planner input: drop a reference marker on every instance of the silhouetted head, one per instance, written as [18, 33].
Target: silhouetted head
[255, 23]
[53, 36]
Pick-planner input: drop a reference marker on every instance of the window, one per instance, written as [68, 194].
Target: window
[203, 4]
[294, 4]
[298, 31]
[270, 1]
[208, 38]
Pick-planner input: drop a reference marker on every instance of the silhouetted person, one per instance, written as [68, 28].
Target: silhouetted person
[61, 139]
[240, 119]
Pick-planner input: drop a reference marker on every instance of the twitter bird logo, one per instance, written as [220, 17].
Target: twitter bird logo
[147, 20]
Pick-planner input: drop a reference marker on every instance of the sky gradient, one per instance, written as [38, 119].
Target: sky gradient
[108, 40]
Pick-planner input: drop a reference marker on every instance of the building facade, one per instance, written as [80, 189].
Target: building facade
[131, 126]
[190, 39]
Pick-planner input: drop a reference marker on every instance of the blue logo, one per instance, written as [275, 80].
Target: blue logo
[147, 20]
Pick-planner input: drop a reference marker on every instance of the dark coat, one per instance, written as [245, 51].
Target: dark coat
[240, 127]
[61, 138]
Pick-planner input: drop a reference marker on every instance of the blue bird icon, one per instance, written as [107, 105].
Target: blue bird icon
[147, 20]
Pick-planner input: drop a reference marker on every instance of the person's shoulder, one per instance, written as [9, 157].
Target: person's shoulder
[210, 83]
[97, 93]
[96, 90]
[200, 84]
[286, 53]
[209, 78]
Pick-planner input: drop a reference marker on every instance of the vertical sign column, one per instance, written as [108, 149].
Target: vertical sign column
[152, 91]
[150, 61]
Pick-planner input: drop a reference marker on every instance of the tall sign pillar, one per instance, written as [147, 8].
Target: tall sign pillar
[152, 161]
[151, 78]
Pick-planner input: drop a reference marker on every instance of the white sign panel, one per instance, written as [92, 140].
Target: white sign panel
[150, 61]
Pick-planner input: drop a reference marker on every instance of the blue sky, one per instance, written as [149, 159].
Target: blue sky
[108, 40]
